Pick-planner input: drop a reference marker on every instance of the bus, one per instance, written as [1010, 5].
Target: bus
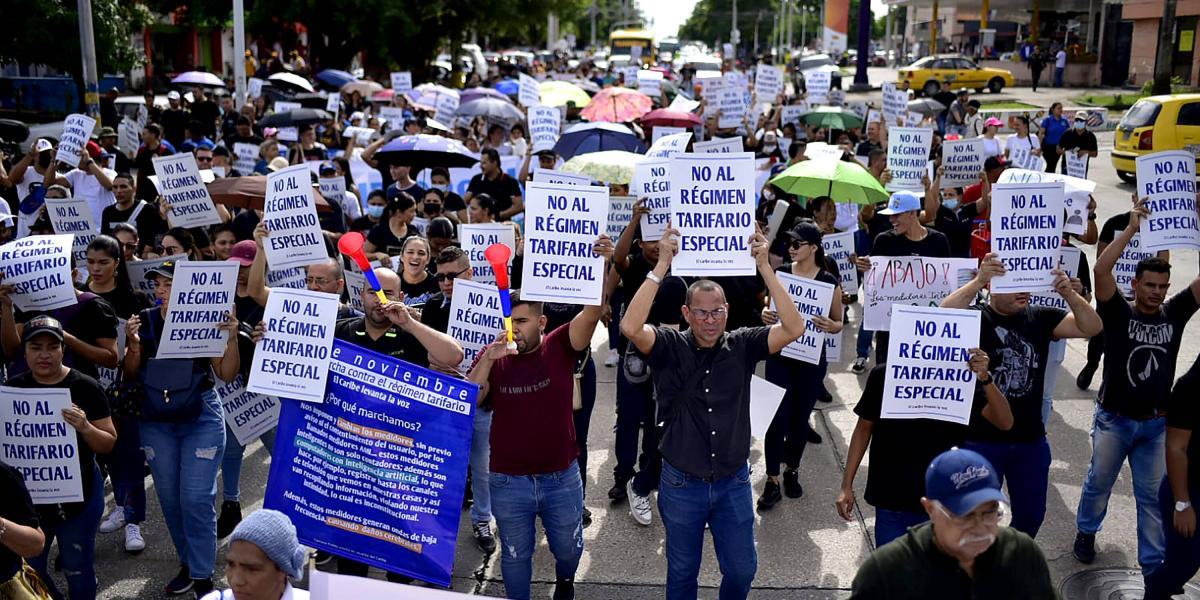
[622, 41]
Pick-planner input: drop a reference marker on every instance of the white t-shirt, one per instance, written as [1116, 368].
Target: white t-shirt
[350, 206]
[1060, 60]
[289, 593]
[85, 185]
[991, 147]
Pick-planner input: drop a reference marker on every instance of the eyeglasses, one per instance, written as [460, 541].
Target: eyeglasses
[703, 315]
[170, 250]
[320, 281]
[440, 277]
[987, 517]
[204, 159]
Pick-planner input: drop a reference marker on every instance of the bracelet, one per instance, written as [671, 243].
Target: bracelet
[988, 381]
[655, 278]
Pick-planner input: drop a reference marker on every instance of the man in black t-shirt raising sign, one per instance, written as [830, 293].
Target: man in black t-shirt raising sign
[1139, 367]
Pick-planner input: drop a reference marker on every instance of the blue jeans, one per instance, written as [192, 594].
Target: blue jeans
[862, 346]
[517, 502]
[231, 463]
[1114, 439]
[76, 545]
[481, 497]
[636, 414]
[1182, 558]
[891, 524]
[1058, 77]
[1058, 351]
[184, 458]
[1026, 467]
[686, 504]
[127, 470]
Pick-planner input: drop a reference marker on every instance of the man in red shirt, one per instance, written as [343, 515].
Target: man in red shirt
[534, 472]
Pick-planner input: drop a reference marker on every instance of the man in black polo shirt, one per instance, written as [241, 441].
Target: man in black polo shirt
[496, 183]
[1139, 367]
[702, 378]
[1181, 484]
[963, 552]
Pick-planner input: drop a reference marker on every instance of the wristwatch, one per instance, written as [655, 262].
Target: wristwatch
[1182, 505]
[986, 381]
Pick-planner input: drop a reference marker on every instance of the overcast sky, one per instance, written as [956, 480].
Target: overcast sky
[667, 16]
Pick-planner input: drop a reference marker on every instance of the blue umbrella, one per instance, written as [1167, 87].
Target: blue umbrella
[420, 151]
[334, 78]
[509, 87]
[597, 137]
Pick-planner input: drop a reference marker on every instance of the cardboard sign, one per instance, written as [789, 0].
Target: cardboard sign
[1168, 182]
[839, 247]
[792, 113]
[1077, 166]
[475, 318]
[77, 130]
[245, 157]
[765, 398]
[895, 103]
[562, 223]
[813, 299]
[528, 92]
[73, 216]
[1072, 184]
[201, 298]
[401, 82]
[292, 358]
[290, 213]
[652, 182]
[182, 187]
[731, 145]
[733, 107]
[447, 106]
[39, 270]
[927, 374]
[39, 443]
[962, 162]
[248, 415]
[1069, 260]
[909, 281]
[1026, 229]
[560, 177]
[650, 83]
[768, 82]
[662, 130]
[333, 188]
[1076, 205]
[620, 214]
[712, 206]
[667, 146]
[817, 83]
[475, 239]
[1126, 266]
[282, 106]
[907, 155]
[545, 123]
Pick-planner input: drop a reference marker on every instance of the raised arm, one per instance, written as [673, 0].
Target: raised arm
[965, 296]
[256, 279]
[441, 347]
[1083, 321]
[625, 242]
[1103, 281]
[791, 325]
[633, 323]
[997, 412]
[584, 324]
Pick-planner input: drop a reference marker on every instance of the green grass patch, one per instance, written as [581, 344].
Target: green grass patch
[1007, 105]
[1118, 101]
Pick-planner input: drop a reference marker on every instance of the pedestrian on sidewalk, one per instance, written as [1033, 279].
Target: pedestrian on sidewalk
[1036, 62]
[1060, 66]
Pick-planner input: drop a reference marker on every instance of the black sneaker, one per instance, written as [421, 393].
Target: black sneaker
[811, 436]
[564, 589]
[770, 496]
[617, 493]
[825, 396]
[791, 484]
[860, 365]
[587, 518]
[1084, 380]
[1085, 547]
[202, 587]
[484, 538]
[231, 515]
[181, 584]
[322, 558]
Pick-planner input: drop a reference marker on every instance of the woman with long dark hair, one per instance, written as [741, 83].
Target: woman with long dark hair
[387, 238]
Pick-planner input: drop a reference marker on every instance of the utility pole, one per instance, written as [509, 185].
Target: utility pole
[756, 20]
[87, 44]
[1163, 57]
[735, 36]
[791, 21]
[239, 54]
[865, 20]
[593, 15]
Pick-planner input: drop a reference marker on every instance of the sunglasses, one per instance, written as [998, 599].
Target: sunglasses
[440, 277]
[797, 244]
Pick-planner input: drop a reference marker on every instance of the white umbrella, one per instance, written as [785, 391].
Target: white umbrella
[293, 80]
[198, 78]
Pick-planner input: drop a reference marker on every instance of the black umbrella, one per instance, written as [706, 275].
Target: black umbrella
[13, 131]
[295, 118]
[310, 100]
[926, 106]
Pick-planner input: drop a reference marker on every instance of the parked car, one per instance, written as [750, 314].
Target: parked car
[820, 62]
[933, 73]
[1154, 124]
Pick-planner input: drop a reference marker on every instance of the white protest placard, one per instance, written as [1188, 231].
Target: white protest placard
[823, 150]
[650, 82]
[718, 146]
[635, 54]
[401, 82]
[245, 157]
[201, 298]
[927, 372]
[1076, 205]
[839, 247]
[475, 239]
[629, 74]
[356, 283]
[1126, 266]
[562, 223]
[816, 84]
[545, 123]
[733, 107]
[727, 51]
[712, 206]
[1077, 166]
[775, 221]
[710, 90]
[873, 116]
[327, 586]
[813, 299]
[290, 213]
[914, 119]
[833, 347]
[620, 214]
[137, 270]
[183, 189]
[661, 131]
[962, 162]
[528, 93]
[475, 318]
[72, 216]
[909, 281]
[38, 268]
[288, 134]
[447, 105]
[669, 145]
[421, 224]
[895, 103]
[333, 188]
[836, 97]
[1073, 184]
[40, 444]
[254, 87]
[361, 135]
[1026, 229]
[792, 113]
[765, 398]
[682, 104]
[77, 129]
[907, 154]
[292, 359]
[652, 182]
[768, 81]
[1168, 182]
[860, 109]
[333, 104]
[1069, 260]
[248, 415]
[290, 278]
[393, 117]
[130, 134]
[561, 177]
[282, 106]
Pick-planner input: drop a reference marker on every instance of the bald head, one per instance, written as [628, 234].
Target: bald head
[389, 281]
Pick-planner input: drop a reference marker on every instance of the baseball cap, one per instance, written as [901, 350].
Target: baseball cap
[42, 324]
[172, 95]
[277, 163]
[1081, 115]
[167, 269]
[547, 152]
[327, 167]
[902, 202]
[961, 480]
[243, 252]
[107, 132]
[993, 121]
[104, 154]
[806, 231]
[43, 145]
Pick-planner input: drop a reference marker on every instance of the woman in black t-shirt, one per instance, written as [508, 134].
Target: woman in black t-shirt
[415, 281]
[108, 278]
[787, 434]
[373, 215]
[73, 524]
[22, 534]
[385, 239]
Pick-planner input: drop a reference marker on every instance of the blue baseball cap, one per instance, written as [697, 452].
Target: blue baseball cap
[962, 480]
[902, 202]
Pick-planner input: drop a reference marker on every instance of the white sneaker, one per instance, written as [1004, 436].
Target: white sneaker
[639, 506]
[114, 521]
[133, 538]
[613, 358]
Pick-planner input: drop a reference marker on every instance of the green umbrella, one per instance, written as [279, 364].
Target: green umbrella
[832, 117]
[843, 181]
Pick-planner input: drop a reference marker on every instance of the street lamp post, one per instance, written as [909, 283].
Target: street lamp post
[864, 47]
[87, 45]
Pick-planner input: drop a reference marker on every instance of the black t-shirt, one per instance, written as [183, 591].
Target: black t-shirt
[363, 223]
[893, 243]
[89, 320]
[957, 229]
[87, 394]
[149, 222]
[248, 310]
[1018, 346]
[1077, 140]
[672, 292]
[395, 342]
[453, 202]
[416, 294]
[1183, 412]
[414, 190]
[16, 506]
[385, 241]
[436, 313]
[501, 189]
[124, 301]
[901, 449]
[1139, 353]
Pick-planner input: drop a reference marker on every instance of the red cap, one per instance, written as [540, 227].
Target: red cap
[93, 149]
[243, 252]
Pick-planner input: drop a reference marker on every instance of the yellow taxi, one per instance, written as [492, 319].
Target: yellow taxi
[1154, 124]
[933, 74]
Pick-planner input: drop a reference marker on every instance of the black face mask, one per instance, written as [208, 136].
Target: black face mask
[433, 207]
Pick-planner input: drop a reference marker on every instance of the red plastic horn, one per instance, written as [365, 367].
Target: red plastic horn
[497, 255]
[351, 244]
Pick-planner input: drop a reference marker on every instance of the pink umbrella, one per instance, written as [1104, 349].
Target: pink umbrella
[617, 105]
[670, 118]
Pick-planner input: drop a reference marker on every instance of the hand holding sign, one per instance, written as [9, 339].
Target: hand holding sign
[978, 362]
